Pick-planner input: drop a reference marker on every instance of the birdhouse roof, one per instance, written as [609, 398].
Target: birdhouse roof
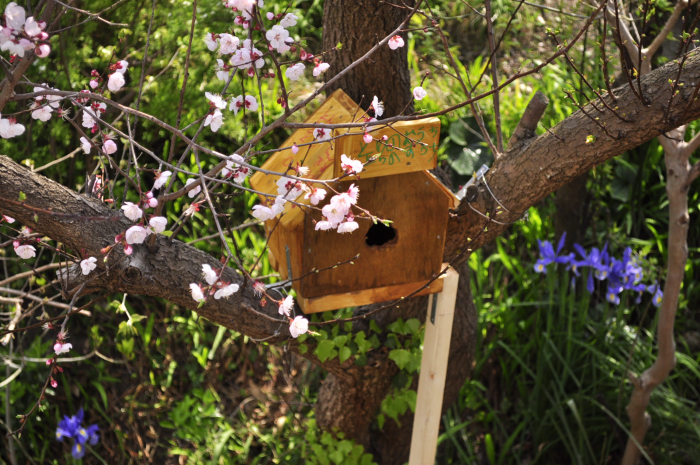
[410, 146]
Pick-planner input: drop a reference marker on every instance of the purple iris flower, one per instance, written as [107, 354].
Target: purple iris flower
[658, 294]
[71, 427]
[548, 255]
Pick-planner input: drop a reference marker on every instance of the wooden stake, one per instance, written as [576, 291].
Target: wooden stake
[433, 371]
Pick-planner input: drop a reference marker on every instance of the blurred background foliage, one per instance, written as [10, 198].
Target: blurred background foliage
[548, 384]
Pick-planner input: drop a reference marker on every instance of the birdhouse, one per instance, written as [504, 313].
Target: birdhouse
[376, 262]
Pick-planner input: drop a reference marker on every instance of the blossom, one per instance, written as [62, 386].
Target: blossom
[85, 144]
[286, 305]
[32, 27]
[88, 265]
[116, 82]
[258, 288]
[228, 44]
[25, 251]
[295, 72]
[289, 188]
[14, 16]
[226, 291]
[151, 200]
[197, 293]
[10, 128]
[88, 120]
[161, 179]
[321, 68]
[251, 103]
[347, 227]
[217, 100]
[315, 195]
[121, 66]
[210, 275]
[377, 106]
[295, 149]
[263, 213]
[158, 224]
[349, 165]
[136, 235]
[396, 42]
[109, 147]
[132, 211]
[191, 194]
[322, 134]
[278, 37]
[214, 120]
[211, 41]
[43, 50]
[236, 170]
[367, 138]
[298, 326]
[419, 93]
[221, 70]
[323, 226]
[41, 112]
[289, 20]
[8, 219]
[61, 348]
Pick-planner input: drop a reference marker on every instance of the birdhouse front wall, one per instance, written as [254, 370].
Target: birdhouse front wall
[419, 211]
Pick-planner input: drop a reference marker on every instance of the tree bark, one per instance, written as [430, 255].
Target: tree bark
[358, 25]
[519, 179]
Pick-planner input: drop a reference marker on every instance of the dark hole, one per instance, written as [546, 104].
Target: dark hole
[379, 234]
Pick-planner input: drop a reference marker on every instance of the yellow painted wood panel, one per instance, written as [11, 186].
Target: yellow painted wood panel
[319, 158]
[407, 153]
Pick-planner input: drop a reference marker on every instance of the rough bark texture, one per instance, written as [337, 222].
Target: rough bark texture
[519, 179]
[358, 25]
[570, 203]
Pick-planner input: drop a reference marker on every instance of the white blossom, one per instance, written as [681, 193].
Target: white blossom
[88, 265]
[191, 194]
[226, 291]
[287, 305]
[209, 274]
[116, 82]
[158, 224]
[25, 251]
[197, 293]
[298, 326]
[295, 72]
[132, 211]
[136, 235]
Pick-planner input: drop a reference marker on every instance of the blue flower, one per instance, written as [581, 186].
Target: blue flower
[658, 294]
[78, 451]
[549, 255]
[613, 293]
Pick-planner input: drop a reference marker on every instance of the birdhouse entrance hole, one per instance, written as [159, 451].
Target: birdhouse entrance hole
[379, 234]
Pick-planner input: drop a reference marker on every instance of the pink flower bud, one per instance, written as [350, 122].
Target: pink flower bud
[128, 249]
[42, 51]
[385, 138]
[53, 383]
[270, 15]
[93, 84]
[367, 138]
[295, 149]
[153, 202]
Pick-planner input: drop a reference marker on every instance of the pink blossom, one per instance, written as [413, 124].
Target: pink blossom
[323, 226]
[347, 227]
[161, 179]
[152, 202]
[31, 27]
[228, 44]
[278, 37]
[85, 145]
[216, 100]
[396, 42]
[278, 207]
[42, 112]
[128, 250]
[270, 16]
[321, 68]
[211, 41]
[210, 276]
[298, 326]
[116, 82]
[88, 265]
[289, 20]
[61, 348]
[295, 149]
[263, 213]
[109, 147]
[10, 128]
[321, 134]
[289, 188]
[295, 72]
[367, 138]
[315, 195]
[191, 194]
[226, 291]
[8, 219]
[197, 293]
[132, 211]
[349, 165]
[286, 306]
[377, 106]
[354, 193]
[136, 235]
[214, 120]
[251, 103]
[121, 66]
[25, 251]
[419, 93]
[14, 16]
[54, 383]
[158, 224]
[258, 288]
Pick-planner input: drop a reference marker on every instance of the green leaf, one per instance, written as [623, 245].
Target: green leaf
[22, 196]
[401, 357]
[345, 353]
[325, 350]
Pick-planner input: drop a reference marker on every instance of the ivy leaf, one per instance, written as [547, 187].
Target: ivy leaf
[325, 350]
[345, 353]
[401, 357]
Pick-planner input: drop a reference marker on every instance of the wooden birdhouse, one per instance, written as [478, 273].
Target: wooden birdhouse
[394, 260]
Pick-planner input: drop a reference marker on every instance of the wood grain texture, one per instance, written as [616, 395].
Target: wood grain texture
[433, 372]
[367, 296]
[419, 212]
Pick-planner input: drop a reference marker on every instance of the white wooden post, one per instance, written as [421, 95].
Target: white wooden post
[433, 372]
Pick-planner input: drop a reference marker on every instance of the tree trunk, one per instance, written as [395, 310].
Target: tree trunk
[358, 25]
[570, 203]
